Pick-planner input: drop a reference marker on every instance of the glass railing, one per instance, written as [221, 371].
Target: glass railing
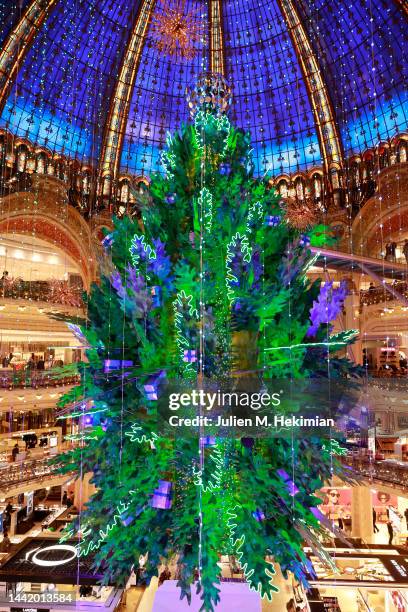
[15, 473]
[389, 471]
[52, 291]
[25, 379]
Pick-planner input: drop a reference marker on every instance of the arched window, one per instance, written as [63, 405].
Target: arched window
[40, 164]
[335, 178]
[124, 192]
[317, 186]
[383, 157]
[300, 193]
[85, 184]
[368, 167]
[355, 174]
[402, 152]
[106, 186]
[283, 189]
[21, 159]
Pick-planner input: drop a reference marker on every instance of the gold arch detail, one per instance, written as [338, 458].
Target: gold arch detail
[328, 134]
[120, 102]
[217, 61]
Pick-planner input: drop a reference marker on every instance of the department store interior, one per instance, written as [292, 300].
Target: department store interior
[88, 93]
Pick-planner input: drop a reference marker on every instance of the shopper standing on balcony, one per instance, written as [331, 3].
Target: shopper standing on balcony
[405, 250]
[31, 364]
[393, 248]
[7, 360]
[5, 545]
[15, 451]
[376, 530]
[390, 533]
[3, 281]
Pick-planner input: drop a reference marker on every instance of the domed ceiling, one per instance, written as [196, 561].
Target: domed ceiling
[98, 80]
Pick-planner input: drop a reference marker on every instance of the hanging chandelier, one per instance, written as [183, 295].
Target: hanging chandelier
[176, 30]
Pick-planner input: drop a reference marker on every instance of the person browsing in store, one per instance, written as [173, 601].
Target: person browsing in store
[405, 250]
[5, 545]
[31, 363]
[15, 451]
[376, 530]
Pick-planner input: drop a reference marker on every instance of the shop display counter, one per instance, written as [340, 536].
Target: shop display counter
[42, 574]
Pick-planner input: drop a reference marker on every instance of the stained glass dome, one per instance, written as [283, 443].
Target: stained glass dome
[313, 80]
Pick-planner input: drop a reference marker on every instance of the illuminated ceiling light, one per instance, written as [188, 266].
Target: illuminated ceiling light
[36, 257]
[2, 307]
[18, 254]
[56, 547]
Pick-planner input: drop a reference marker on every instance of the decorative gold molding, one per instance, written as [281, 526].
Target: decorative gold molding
[328, 134]
[18, 43]
[217, 62]
[120, 102]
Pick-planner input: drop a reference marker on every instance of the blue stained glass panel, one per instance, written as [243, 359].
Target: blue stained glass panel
[270, 96]
[61, 96]
[158, 103]
[362, 50]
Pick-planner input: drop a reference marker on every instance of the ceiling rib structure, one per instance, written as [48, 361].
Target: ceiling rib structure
[119, 109]
[327, 131]
[314, 81]
[18, 42]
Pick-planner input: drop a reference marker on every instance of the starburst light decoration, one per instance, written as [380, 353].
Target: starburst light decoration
[300, 214]
[176, 30]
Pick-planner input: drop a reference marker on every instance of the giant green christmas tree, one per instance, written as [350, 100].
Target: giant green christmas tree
[210, 283]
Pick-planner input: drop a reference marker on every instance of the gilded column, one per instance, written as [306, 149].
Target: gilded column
[362, 514]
